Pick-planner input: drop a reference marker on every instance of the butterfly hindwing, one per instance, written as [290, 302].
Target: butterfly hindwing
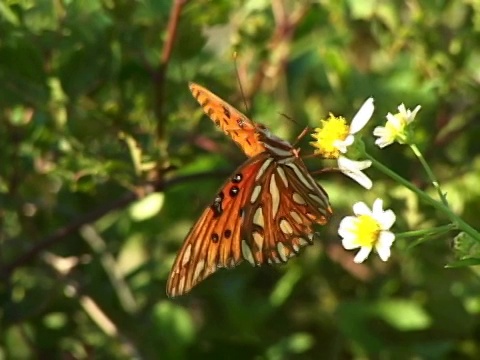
[215, 240]
[259, 215]
[282, 210]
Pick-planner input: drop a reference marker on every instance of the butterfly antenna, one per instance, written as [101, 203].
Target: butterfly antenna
[328, 170]
[240, 82]
[304, 132]
[288, 118]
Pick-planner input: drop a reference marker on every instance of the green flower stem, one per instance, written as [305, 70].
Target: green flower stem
[429, 172]
[424, 232]
[459, 223]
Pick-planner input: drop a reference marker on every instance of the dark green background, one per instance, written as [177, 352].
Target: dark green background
[83, 266]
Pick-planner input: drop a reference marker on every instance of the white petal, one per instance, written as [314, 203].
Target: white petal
[383, 245]
[360, 208]
[387, 219]
[377, 207]
[382, 142]
[385, 137]
[395, 122]
[342, 145]
[402, 109]
[385, 239]
[362, 117]
[353, 169]
[384, 218]
[353, 165]
[379, 131]
[362, 254]
[348, 222]
[346, 164]
[362, 180]
[346, 226]
[383, 252]
[350, 244]
[413, 114]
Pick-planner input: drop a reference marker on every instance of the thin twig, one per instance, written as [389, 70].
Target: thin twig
[280, 41]
[160, 73]
[100, 317]
[63, 233]
[119, 284]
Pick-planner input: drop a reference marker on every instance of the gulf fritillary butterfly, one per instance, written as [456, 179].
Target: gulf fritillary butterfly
[263, 213]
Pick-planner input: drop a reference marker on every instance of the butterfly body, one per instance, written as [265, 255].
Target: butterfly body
[263, 213]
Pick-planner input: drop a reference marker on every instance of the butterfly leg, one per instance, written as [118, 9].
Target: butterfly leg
[324, 170]
[302, 135]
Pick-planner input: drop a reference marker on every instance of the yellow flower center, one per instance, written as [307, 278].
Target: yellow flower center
[330, 130]
[367, 230]
[396, 131]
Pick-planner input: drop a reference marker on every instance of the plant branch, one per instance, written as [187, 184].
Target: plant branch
[286, 22]
[63, 233]
[160, 74]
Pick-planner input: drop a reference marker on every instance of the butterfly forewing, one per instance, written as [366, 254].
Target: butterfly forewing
[235, 124]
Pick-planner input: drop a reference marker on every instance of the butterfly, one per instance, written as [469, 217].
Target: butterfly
[263, 213]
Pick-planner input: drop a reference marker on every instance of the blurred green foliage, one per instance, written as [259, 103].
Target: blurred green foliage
[90, 111]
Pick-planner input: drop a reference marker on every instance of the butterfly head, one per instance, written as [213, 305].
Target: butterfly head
[277, 147]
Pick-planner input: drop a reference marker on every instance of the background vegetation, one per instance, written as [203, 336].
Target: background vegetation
[106, 162]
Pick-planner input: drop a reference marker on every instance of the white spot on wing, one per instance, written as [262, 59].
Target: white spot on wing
[303, 242]
[279, 152]
[295, 246]
[181, 285]
[282, 251]
[187, 254]
[262, 169]
[286, 227]
[282, 175]
[255, 193]
[316, 198]
[296, 216]
[198, 268]
[298, 199]
[273, 258]
[247, 253]
[258, 217]
[209, 270]
[275, 196]
[258, 239]
[300, 175]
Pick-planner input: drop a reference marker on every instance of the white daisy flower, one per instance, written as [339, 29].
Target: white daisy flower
[395, 127]
[361, 118]
[334, 137]
[367, 230]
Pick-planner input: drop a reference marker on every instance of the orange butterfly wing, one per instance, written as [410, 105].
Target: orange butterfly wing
[278, 221]
[241, 129]
[214, 241]
[263, 213]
